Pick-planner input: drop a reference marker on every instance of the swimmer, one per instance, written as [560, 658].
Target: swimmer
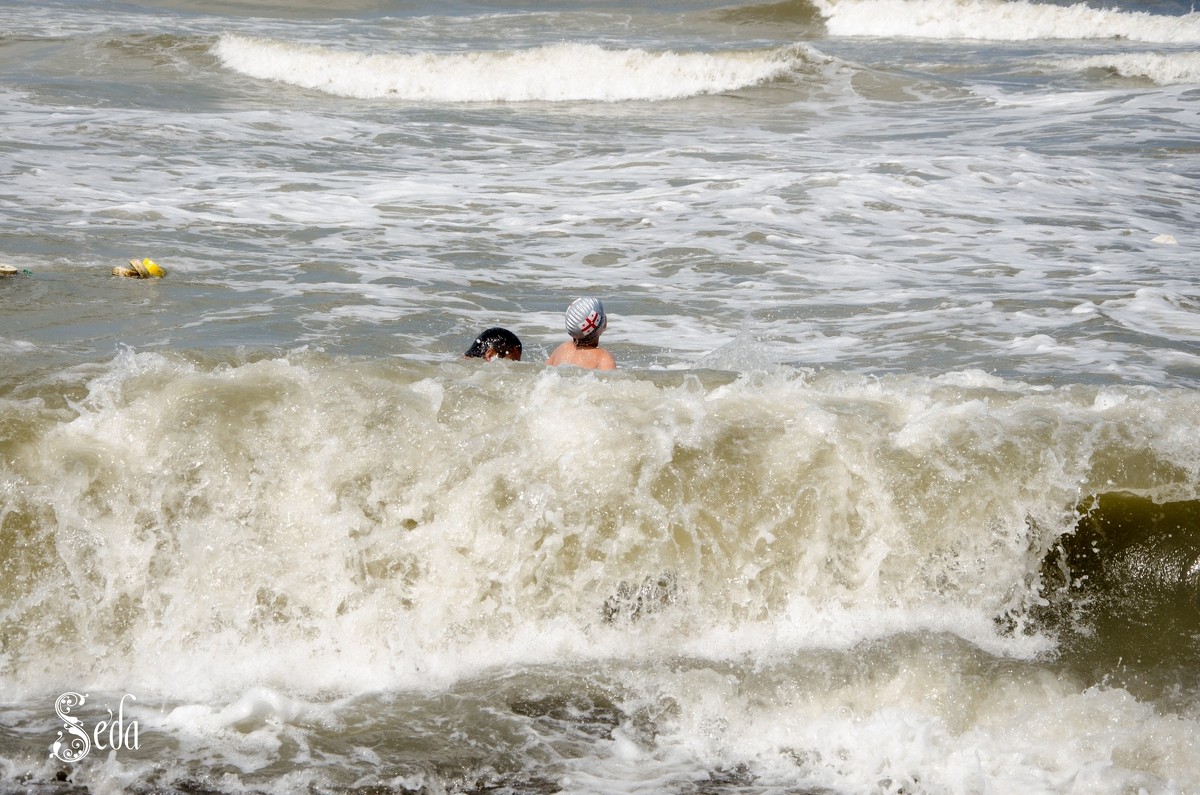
[495, 343]
[585, 322]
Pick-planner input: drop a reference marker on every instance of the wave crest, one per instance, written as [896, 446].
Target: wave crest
[996, 20]
[553, 73]
[1161, 69]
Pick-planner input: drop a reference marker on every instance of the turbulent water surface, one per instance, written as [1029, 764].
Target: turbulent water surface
[896, 488]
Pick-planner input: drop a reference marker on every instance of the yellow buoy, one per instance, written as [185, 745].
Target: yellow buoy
[140, 269]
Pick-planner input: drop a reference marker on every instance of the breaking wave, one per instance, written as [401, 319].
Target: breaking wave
[552, 73]
[1001, 21]
[1163, 69]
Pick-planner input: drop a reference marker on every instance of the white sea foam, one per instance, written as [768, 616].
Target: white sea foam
[349, 516]
[1001, 20]
[315, 567]
[858, 252]
[264, 545]
[16, 347]
[1158, 311]
[1162, 68]
[560, 72]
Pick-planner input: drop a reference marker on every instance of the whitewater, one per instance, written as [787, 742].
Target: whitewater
[896, 488]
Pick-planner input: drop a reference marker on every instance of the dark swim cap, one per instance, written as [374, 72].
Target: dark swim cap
[501, 340]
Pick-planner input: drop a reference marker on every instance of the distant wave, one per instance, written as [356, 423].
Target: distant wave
[1000, 21]
[1165, 70]
[786, 12]
[562, 72]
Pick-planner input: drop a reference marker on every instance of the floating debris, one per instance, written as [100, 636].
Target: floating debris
[8, 270]
[140, 269]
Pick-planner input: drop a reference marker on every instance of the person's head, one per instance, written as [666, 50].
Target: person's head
[495, 342]
[586, 321]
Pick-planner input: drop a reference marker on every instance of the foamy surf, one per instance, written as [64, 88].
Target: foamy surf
[1164, 69]
[316, 504]
[317, 574]
[995, 20]
[551, 73]
[895, 491]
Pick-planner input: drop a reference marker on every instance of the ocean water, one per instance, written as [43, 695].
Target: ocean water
[896, 488]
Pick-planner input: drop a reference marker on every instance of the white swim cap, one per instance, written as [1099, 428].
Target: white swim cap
[586, 318]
